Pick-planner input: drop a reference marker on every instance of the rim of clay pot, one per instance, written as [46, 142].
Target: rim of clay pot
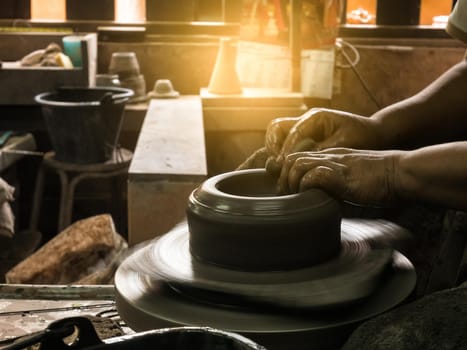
[252, 192]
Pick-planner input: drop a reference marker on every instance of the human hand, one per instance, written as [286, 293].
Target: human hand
[358, 176]
[316, 130]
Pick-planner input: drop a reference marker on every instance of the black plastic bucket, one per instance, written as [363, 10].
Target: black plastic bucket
[185, 338]
[176, 338]
[84, 123]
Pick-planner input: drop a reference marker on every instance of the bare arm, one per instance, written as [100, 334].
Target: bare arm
[435, 115]
[436, 174]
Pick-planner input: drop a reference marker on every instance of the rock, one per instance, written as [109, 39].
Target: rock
[436, 321]
[81, 250]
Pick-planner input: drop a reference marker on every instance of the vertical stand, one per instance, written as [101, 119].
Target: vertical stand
[295, 44]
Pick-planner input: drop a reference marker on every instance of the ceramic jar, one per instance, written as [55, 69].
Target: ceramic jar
[236, 220]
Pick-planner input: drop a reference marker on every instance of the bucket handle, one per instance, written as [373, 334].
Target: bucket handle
[110, 97]
[115, 95]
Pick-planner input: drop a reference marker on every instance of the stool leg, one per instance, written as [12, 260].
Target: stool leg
[37, 200]
[68, 191]
[69, 200]
[117, 197]
[64, 200]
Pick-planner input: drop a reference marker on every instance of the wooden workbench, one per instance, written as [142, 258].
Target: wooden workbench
[169, 162]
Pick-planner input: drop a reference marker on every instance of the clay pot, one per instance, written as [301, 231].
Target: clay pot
[236, 220]
[163, 88]
[125, 64]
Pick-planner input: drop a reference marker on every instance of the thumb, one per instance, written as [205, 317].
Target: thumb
[296, 142]
[324, 177]
[276, 133]
[292, 145]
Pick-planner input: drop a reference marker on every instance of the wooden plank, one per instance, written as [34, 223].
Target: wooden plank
[253, 97]
[168, 163]
[56, 292]
[252, 110]
[171, 142]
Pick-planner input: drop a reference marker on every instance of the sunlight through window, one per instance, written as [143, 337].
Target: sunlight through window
[130, 11]
[364, 11]
[48, 10]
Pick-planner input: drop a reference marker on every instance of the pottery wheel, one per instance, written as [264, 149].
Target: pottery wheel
[353, 275]
[145, 298]
[147, 303]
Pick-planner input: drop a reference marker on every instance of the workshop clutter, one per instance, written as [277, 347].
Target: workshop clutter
[84, 123]
[51, 56]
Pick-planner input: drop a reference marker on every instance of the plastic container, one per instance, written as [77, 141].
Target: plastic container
[84, 123]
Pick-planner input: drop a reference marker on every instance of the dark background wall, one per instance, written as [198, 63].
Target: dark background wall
[392, 68]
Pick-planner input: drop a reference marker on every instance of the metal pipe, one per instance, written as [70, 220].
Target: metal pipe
[21, 152]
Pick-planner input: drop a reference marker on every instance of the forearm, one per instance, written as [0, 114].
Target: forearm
[436, 174]
[435, 115]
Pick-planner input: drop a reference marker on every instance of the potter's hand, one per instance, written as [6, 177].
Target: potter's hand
[364, 177]
[316, 130]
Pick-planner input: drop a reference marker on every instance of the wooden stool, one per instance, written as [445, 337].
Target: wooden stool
[70, 175]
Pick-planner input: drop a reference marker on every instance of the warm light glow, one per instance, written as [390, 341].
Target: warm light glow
[432, 8]
[206, 23]
[53, 10]
[428, 10]
[130, 11]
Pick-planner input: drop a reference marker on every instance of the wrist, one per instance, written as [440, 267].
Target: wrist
[379, 137]
[404, 183]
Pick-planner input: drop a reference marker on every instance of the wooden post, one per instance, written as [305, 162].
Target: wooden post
[174, 10]
[295, 44]
[90, 10]
[15, 9]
